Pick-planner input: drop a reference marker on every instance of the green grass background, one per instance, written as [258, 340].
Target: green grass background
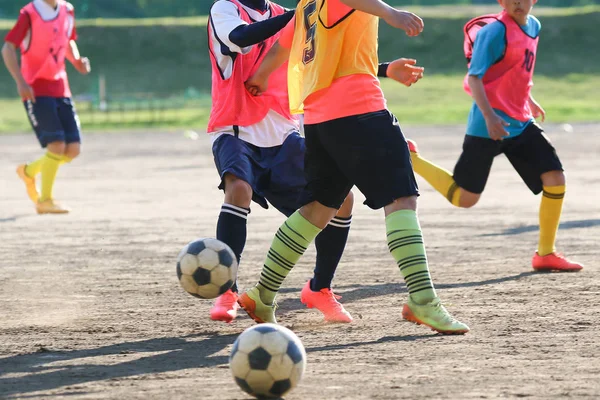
[165, 56]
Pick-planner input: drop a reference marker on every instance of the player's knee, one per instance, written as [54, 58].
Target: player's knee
[237, 191]
[56, 148]
[554, 178]
[346, 208]
[72, 151]
[468, 199]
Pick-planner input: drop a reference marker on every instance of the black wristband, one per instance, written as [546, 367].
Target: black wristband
[382, 70]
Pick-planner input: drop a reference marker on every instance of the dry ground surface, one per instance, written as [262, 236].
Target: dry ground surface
[90, 306]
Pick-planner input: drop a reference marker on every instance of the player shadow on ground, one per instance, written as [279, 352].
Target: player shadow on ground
[177, 353]
[13, 218]
[584, 223]
[361, 292]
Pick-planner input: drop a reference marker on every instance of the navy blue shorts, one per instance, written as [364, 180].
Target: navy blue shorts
[53, 120]
[530, 153]
[276, 174]
[366, 150]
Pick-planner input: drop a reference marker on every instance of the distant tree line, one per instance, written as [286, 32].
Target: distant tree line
[179, 8]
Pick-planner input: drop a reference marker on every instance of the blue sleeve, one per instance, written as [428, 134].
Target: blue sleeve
[533, 26]
[488, 48]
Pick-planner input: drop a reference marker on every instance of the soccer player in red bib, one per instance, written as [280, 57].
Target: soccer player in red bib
[45, 34]
[501, 51]
[257, 148]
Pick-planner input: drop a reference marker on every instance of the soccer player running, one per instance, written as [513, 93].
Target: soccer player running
[257, 149]
[351, 139]
[45, 34]
[502, 58]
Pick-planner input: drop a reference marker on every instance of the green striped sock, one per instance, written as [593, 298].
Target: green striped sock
[405, 242]
[290, 242]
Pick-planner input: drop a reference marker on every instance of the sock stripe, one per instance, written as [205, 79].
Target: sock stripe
[428, 287]
[417, 279]
[397, 231]
[340, 222]
[298, 234]
[267, 287]
[405, 238]
[290, 242]
[281, 259]
[269, 279]
[417, 257]
[237, 214]
[273, 272]
[417, 282]
[392, 248]
[236, 208]
[410, 276]
[554, 196]
[278, 263]
[451, 190]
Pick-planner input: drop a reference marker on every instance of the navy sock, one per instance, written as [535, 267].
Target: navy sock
[231, 230]
[330, 244]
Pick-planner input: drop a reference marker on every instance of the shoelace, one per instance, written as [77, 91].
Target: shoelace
[332, 297]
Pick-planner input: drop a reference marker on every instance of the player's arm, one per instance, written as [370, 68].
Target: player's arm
[81, 64]
[249, 34]
[275, 58]
[403, 70]
[495, 124]
[536, 109]
[407, 21]
[14, 38]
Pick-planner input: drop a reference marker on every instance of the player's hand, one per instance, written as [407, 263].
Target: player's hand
[405, 71]
[495, 126]
[256, 85]
[83, 66]
[410, 23]
[26, 91]
[536, 109]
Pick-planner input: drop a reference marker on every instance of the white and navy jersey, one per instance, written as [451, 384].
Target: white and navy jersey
[224, 17]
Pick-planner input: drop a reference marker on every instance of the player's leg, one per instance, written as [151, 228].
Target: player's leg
[382, 171]
[324, 194]
[536, 161]
[72, 127]
[287, 182]
[44, 118]
[462, 188]
[232, 159]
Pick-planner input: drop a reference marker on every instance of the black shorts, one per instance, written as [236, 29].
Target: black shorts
[367, 150]
[530, 153]
[53, 119]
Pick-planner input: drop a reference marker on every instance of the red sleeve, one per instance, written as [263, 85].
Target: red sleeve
[17, 34]
[71, 12]
[287, 34]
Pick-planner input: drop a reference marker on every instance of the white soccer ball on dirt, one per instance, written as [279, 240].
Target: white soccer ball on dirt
[267, 361]
[206, 268]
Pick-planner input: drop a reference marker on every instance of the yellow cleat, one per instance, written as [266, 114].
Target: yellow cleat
[50, 207]
[433, 315]
[256, 309]
[29, 183]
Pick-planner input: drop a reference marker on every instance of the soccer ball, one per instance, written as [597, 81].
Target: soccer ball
[206, 268]
[267, 361]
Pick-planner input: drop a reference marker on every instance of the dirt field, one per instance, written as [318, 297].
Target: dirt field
[90, 306]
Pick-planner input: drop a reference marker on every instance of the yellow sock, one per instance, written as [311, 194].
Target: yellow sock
[439, 178]
[49, 169]
[34, 167]
[550, 210]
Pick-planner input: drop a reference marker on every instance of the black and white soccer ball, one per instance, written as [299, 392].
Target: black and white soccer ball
[206, 268]
[267, 361]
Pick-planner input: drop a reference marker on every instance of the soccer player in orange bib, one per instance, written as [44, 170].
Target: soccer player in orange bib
[501, 51]
[351, 139]
[45, 33]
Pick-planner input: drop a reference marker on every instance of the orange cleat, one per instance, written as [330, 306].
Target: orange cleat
[225, 307]
[260, 312]
[29, 183]
[412, 146]
[554, 262]
[326, 302]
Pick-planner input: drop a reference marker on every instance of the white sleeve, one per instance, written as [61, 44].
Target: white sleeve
[225, 17]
